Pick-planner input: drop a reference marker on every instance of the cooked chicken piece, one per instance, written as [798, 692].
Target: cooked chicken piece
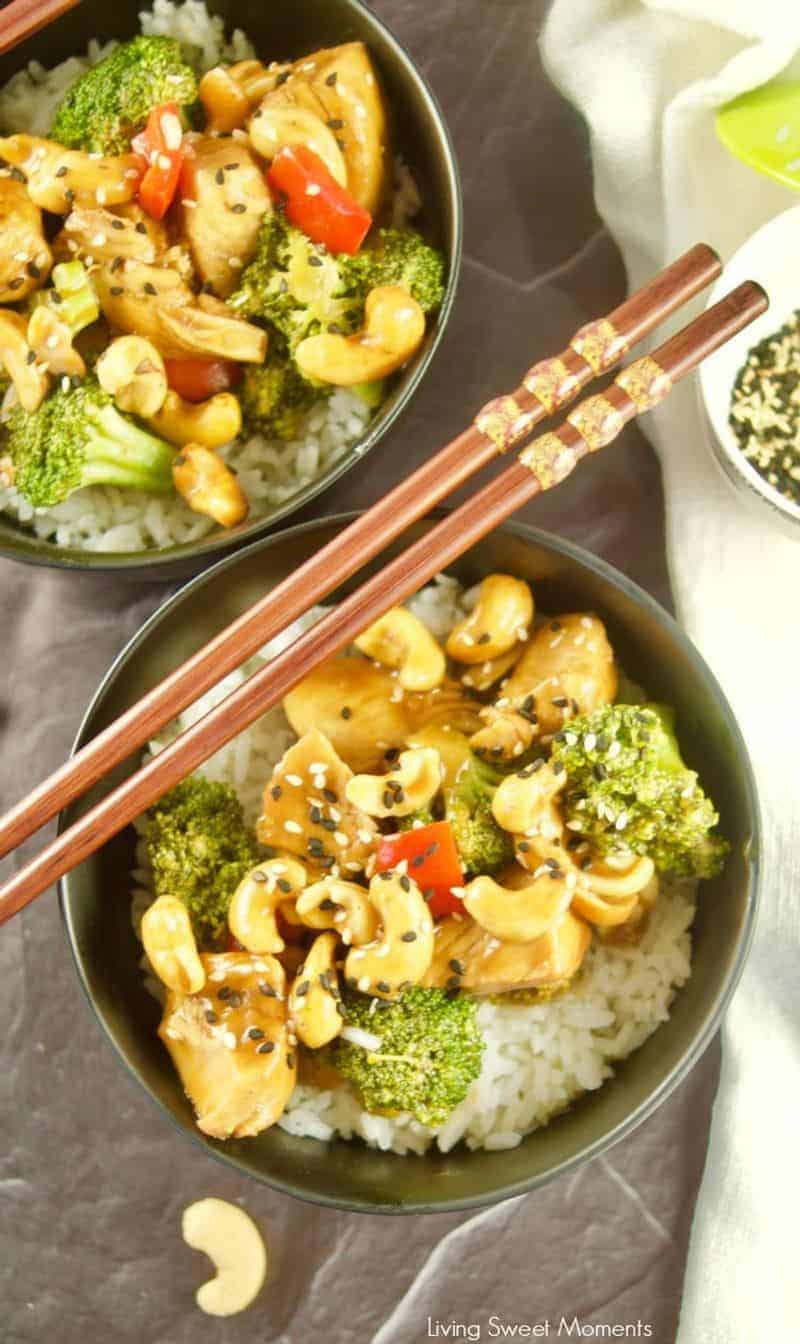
[105, 236]
[26, 259]
[567, 669]
[230, 1044]
[59, 178]
[466, 955]
[155, 302]
[305, 809]
[364, 711]
[339, 85]
[231, 198]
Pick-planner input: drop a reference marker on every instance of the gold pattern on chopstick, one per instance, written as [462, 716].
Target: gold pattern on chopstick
[550, 459]
[600, 344]
[597, 421]
[551, 382]
[504, 422]
[645, 382]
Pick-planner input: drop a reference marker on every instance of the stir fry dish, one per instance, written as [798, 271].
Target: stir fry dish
[190, 259]
[456, 821]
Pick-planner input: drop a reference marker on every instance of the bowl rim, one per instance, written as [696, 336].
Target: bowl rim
[714, 1015]
[149, 562]
[736, 468]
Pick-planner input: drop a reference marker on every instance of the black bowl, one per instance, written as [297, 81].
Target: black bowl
[283, 29]
[655, 652]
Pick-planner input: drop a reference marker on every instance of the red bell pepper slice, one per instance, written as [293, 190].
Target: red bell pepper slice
[199, 379]
[432, 858]
[315, 202]
[161, 145]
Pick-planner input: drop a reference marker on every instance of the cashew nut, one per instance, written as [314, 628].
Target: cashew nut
[19, 360]
[404, 951]
[59, 178]
[254, 79]
[517, 915]
[604, 913]
[225, 102]
[132, 371]
[523, 801]
[170, 946]
[343, 906]
[500, 620]
[51, 341]
[408, 786]
[394, 327]
[399, 639]
[452, 746]
[209, 486]
[231, 1240]
[211, 423]
[251, 913]
[314, 996]
[274, 126]
[618, 883]
[482, 676]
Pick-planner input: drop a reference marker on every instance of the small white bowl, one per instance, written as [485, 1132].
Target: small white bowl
[770, 256]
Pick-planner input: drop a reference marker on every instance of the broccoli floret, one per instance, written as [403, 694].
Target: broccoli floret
[422, 817]
[397, 257]
[627, 789]
[77, 437]
[294, 285]
[429, 1055]
[274, 397]
[105, 107]
[200, 849]
[483, 846]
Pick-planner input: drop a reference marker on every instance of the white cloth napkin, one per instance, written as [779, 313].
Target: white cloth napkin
[647, 75]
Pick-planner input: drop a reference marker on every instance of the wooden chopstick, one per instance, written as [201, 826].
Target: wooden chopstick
[592, 424]
[23, 18]
[546, 387]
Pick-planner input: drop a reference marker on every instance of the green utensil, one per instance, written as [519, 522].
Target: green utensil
[762, 128]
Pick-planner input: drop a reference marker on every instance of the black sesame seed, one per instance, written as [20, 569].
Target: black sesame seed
[290, 1061]
[599, 771]
[329, 795]
[340, 142]
[224, 992]
[239, 208]
[265, 1048]
[117, 263]
[405, 882]
[456, 965]
[255, 1034]
[327, 904]
[326, 861]
[276, 791]
[33, 270]
[388, 799]
[418, 861]
[453, 982]
[314, 260]
[231, 167]
[140, 226]
[408, 937]
[315, 815]
[392, 754]
[384, 986]
[116, 290]
[485, 638]
[555, 625]
[346, 712]
[62, 170]
[211, 1016]
[303, 989]
[219, 177]
[523, 846]
[267, 990]
[340, 1008]
[328, 824]
[284, 886]
[118, 223]
[16, 282]
[282, 77]
[331, 79]
[30, 358]
[258, 876]
[149, 289]
[336, 123]
[431, 849]
[560, 701]
[558, 768]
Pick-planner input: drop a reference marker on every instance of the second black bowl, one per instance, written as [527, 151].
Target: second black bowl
[655, 652]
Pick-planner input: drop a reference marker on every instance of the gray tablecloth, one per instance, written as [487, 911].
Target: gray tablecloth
[92, 1179]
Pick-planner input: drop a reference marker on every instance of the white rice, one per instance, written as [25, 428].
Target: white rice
[538, 1058]
[271, 471]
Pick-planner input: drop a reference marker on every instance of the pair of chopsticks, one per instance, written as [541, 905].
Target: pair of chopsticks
[23, 18]
[500, 425]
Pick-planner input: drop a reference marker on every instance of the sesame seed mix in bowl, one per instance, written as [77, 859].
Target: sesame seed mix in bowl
[765, 409]
[196, 235]
[451, 880]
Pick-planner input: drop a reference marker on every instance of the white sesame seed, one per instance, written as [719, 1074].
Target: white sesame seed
[341, 839]
[365, 837]
[190, 204]
[317, 767]
[101, 195]
[294, 780]
[235, 263]
[313, 189]
[171, 131]
[293, 827]
[590, 742]
[98, 240]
